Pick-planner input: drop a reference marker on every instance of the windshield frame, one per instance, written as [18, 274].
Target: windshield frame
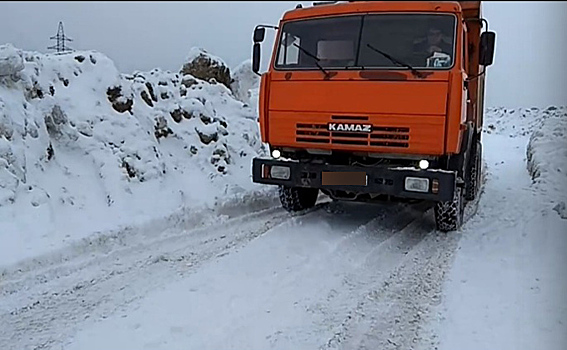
[356, 66]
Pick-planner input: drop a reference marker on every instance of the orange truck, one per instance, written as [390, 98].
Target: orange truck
[375, 100]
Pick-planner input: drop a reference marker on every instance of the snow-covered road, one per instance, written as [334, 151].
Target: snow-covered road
[128, 220]
[340, 276]
[262, 280]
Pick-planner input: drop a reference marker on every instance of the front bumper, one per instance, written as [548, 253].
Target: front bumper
[378, 180]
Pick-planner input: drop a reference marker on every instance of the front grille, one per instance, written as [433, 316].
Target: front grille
[380, 136]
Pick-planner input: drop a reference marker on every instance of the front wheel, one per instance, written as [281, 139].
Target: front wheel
[298, 198]
[449, 215]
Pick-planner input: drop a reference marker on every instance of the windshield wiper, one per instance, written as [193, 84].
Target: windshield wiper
[314, 57]
[395, 61]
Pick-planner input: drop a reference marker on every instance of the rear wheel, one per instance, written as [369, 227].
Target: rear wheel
[449, 215]
[298, 198]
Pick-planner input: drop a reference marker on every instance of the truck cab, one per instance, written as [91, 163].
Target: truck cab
[375, 100]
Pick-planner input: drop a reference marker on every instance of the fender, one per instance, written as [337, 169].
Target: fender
[458, 162]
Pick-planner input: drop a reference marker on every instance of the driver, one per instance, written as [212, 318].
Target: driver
[434, 42]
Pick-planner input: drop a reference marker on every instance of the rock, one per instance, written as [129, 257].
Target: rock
[54, 122]
[151, 91]
[146, 98]
[207, 135]
[188, 81]
[120, 103]
[6, 127]
[161, 128]
[561, 209]
[11, 61]
[202, 65]
[179, 113]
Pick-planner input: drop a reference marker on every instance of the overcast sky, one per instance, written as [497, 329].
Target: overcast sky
[529, 68]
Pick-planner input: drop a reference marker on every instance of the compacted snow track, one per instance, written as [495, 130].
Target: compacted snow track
[268, 279]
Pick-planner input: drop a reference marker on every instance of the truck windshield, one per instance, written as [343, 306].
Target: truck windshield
[418, 40]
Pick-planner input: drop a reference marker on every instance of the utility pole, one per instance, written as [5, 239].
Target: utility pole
[61, 39]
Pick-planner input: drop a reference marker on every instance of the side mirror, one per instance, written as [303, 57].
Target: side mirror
[256, 58]
[259, 34]
[487, 43]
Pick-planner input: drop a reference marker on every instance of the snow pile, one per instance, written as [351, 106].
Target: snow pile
[506, 287]
[245, 85]
[512, 122]
[84, 148]
[11, 61]
[547, 157]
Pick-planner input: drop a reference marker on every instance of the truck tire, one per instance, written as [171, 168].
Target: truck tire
[298, 198]
[472, 183]
[449, 215]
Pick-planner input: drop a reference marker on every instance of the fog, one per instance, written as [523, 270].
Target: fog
[529, 68]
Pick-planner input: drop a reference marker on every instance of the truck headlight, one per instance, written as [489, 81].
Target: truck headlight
[280, 172]
[417, 184]
[276, 153]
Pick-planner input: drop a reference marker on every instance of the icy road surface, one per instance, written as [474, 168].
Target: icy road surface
[343, 275]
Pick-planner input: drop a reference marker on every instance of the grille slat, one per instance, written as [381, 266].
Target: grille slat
[381, 136]
[390, 136]
[305, 139]
[349, 135]
[390, 144]
[312, 133]
[350, 142]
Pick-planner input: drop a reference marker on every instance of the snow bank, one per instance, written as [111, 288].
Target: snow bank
[546, 149]
[507, 285]
[512, 122]
[84, 148]
[11, 61]
[246, 82]
[547, 157]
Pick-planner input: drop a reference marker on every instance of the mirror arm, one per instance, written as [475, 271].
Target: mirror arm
[482, 21]
[476, 76]
[266, 26]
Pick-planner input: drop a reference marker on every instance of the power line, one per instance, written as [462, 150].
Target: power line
[60, 47]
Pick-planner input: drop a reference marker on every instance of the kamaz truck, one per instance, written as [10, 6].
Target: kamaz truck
[375, 100]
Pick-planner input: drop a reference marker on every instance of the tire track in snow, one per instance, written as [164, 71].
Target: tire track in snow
[369, 253]
[393, 307]
[181, 220]
[39, 309]
[359, 250]
[269, 293]
[263, 277]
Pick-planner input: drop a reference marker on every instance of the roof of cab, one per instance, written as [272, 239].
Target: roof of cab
[353, 7]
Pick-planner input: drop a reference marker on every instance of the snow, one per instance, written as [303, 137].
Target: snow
[547, 158]
[72, 166]
[246, 83]
[11, 61]
[506, 286]
[416, 169]
[128, 220]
